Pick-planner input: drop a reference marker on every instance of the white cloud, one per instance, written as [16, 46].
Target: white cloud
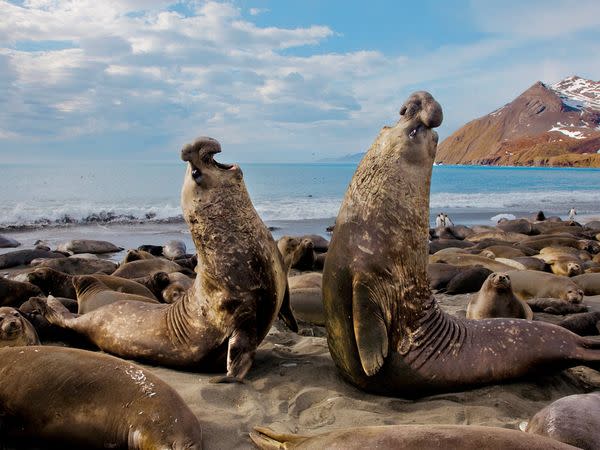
[257, 11]
[142, 74]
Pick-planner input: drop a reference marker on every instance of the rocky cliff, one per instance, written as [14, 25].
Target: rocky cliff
[547, 125]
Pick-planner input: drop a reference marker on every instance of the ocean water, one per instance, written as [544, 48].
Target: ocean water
[42, 195]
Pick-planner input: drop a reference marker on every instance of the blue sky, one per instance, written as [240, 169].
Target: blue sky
[272, 80]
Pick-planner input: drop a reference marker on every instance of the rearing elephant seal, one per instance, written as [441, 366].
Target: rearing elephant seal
[237, 293]
[386, 332]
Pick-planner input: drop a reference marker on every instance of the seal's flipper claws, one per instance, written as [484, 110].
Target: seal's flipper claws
[370, 329]
[286, 314]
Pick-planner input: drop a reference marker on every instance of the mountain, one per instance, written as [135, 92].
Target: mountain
[547, 125]
[350, 158]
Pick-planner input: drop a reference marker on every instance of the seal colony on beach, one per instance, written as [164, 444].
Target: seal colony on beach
[238, 291]
[386, 332]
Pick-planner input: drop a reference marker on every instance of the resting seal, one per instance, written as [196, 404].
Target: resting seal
[407, 437]
[14, 293]
[144, 267]
[23, 257]
[15, 330]
[470, 279]
[532, 283]
[583, 324]
[174, 249]
[6, 242]
[386, 332]
[588, 282]
[496, 299]
[87, 246]
[82, 399]
[79, 266]
[60, 284]
[574, 420]
[93, 294]
[237, 294]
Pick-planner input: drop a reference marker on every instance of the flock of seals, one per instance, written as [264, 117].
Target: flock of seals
[209, 312]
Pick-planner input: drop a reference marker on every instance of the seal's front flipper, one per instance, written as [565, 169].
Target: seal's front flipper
[370, 329]
[285, 312]
[242, 343]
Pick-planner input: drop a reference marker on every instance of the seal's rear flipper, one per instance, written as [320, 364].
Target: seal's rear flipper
[53, 310]
[370, 329]
[285, 312]
[267, 439]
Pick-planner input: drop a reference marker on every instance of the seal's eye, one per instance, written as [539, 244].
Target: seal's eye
[197, 175]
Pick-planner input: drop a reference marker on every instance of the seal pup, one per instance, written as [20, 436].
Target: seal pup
[15, 330]
[87, 246]
[496, 299]
[470, 279]
[237, 293]
[555, 306]
[574, 420]
[83, 399]
[407, 437]
[385, 330]
[583, 324]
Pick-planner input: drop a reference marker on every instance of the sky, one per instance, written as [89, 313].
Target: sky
[272, 80]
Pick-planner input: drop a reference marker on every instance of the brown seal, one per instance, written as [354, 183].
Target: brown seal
[155, 283]
[23, 257]
[385, 330]
[237, 294]
[574, 420]
[496, 299]
[14, 293]
[60, 284]
[588, 282]
[137, 255]
[79, 266]
[528, 284]
[555, 306]
[88, 246]
[470, 279]
[75, 398]
[408, 437]
[583, 324]
[15, 330]
[93, 294]
[144, 267]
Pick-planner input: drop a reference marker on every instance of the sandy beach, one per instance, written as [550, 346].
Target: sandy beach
[295, 387]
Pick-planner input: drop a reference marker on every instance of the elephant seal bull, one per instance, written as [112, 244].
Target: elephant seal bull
[386, 332]
[55, 397]
[238, 291]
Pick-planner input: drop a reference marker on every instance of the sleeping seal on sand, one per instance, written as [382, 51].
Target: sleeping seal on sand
[54, 397]
[386, 332]
[574, 420]
[407, 437]
[237, 293]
